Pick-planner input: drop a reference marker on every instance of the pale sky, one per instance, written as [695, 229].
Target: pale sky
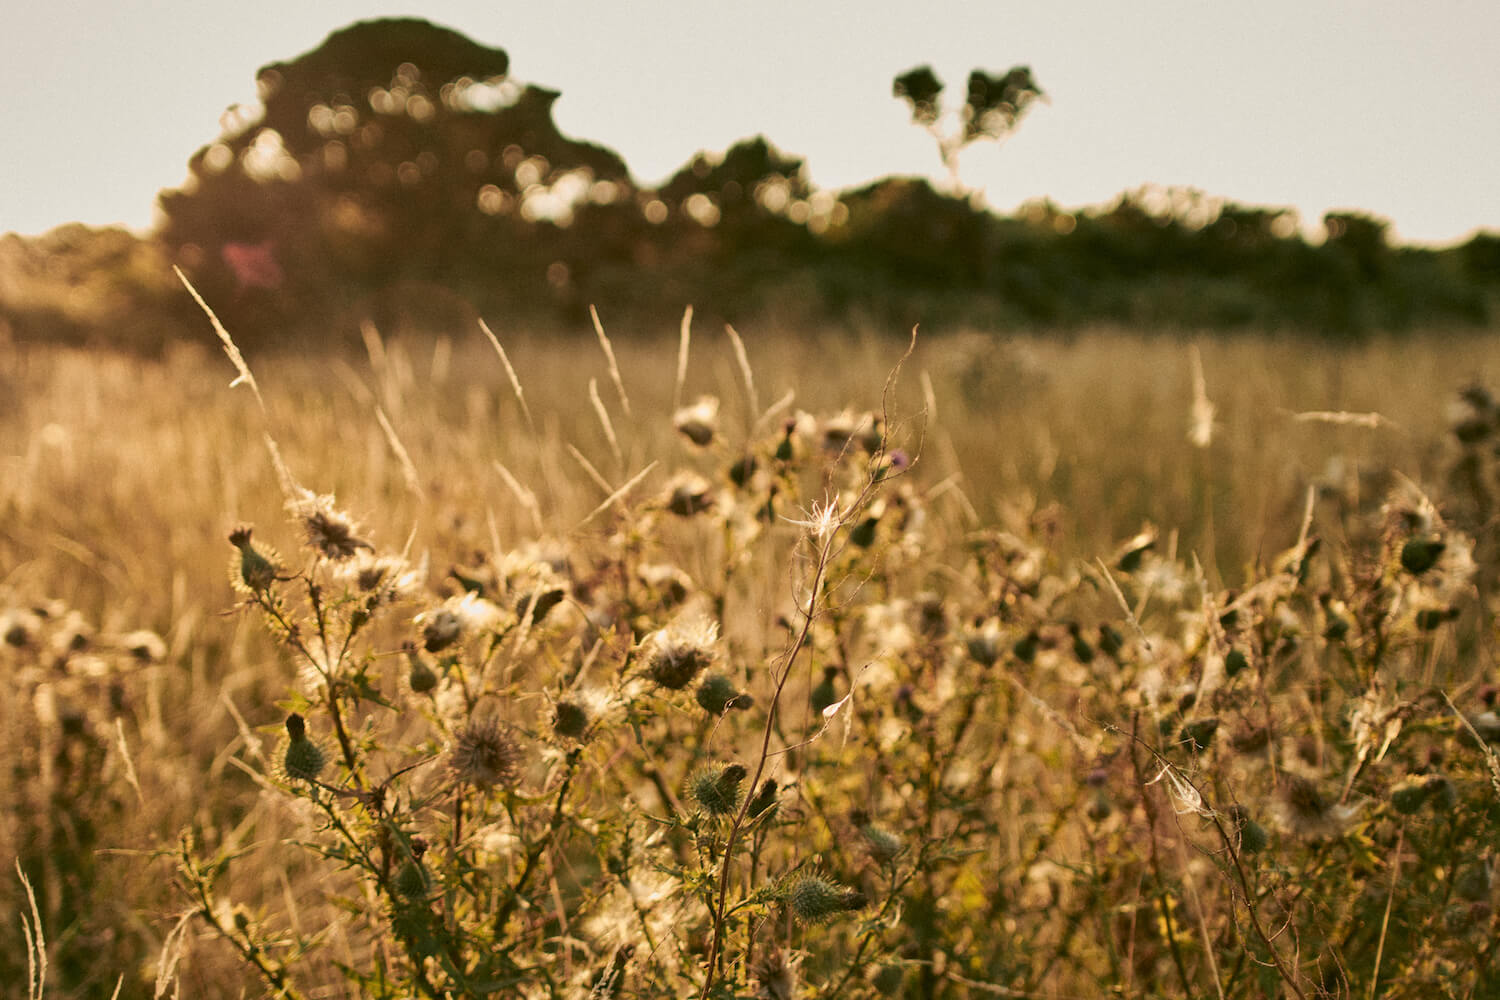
[1385, 106]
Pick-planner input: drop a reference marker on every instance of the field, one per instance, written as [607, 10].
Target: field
[1040, 666]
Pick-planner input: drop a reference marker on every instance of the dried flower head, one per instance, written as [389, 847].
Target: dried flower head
[687, 494]
[570, 719]
[144, 645]
[329, 531]
[485, 754]
[699, 423]
[446, 624]
[680, 652]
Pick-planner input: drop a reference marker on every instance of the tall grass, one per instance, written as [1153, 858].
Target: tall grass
[1223, 764]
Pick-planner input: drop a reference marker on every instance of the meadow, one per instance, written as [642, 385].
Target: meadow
[1107, 664]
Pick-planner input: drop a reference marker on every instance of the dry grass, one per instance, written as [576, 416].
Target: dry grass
[123, 476]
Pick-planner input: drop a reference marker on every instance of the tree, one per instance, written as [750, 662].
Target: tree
[395, 151]
[992, 109]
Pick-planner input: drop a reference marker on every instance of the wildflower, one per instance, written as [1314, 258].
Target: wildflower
[1130, 554]
[1235, 662]
[20, 628]
[302, 760]
[412, 881]
[680, 652]
[1473, 881]
[1025, 648]
[1305, 811]
[814, 898]
[717, 789]
[699, 423]
[441, 629]
[1082, 651]
[329, 530]
[1253, 836]
[255, 569]
[485, 755]
[670, 584]
[741, 472]
[1110, 640]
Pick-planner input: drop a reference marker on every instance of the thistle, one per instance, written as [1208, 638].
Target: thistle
[717, 695]
[680, 652]
[717, 789]
[814, 899]
[485, 755]
[302, 760]
[255, 569]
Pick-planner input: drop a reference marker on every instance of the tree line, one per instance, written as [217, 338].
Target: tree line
[398, 172]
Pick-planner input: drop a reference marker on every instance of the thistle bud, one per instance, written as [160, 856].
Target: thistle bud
[1419, 555]
[1253, 836]
[814, 899]
[883, 845]
[717, 789]
[303, 760]
[764, 799]
[717, 694]
[412, 880]
[253, 570]
[422, 678]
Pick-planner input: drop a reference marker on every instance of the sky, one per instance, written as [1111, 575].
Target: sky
[1391, 108]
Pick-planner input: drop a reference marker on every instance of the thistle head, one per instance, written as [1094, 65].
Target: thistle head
[485, 754]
